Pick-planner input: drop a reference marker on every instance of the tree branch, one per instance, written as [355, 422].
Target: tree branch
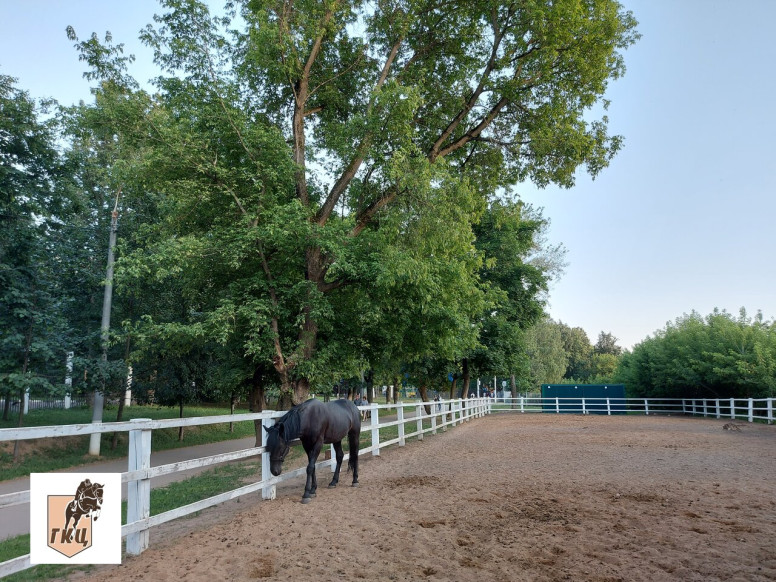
[355, 163]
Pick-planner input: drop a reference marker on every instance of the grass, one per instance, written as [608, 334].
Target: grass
[46, 455]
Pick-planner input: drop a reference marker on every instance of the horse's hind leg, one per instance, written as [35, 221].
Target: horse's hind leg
[339, 454]
[353, 444]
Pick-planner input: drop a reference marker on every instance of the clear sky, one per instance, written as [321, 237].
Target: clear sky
[682, 220]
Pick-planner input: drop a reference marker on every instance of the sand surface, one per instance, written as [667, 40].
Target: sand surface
[506, 497]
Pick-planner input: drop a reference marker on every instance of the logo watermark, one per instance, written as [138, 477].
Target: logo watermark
[75, 518]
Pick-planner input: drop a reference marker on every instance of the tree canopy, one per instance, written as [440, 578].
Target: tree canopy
[321, 190]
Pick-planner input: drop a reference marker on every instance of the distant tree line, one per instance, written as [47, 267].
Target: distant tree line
[713, 356]
[716, 356]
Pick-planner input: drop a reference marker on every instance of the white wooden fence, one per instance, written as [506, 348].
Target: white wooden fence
[139, 471]
[750, 409]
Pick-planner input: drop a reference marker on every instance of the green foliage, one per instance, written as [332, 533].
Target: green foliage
[717, 356]
[31, 322]
[548, 359]
[312, 196]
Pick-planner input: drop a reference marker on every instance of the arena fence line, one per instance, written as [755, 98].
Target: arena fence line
[749, 409]
[443, 414]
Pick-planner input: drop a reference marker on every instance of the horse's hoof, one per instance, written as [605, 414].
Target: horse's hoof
[332, 485]
[355, 484]
[306, 500]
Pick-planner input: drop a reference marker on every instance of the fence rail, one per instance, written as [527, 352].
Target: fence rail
[139, 471]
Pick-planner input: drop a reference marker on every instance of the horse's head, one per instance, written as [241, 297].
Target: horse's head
[277, 447]
[97, 490]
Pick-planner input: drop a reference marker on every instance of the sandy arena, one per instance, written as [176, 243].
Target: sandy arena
[506, 497]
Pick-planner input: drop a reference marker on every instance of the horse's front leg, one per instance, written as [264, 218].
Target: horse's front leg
[339, 454]
[76, 519]
[312, 484]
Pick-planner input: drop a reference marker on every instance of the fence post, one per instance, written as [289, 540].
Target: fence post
[732, 409]
[705, 408]
[419, 416]
[716, 406]
[584, 407]
[375, 432]
[333, 457]
[400, 418]
[139, 492]
[557, 406]
[608, 407]
[770, 410]
[434, 422]
[751, 410]
[684, 406]
[522, 404]
[269, 491]
[646, 407]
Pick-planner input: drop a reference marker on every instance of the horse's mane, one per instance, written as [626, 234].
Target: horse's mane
[292, 422]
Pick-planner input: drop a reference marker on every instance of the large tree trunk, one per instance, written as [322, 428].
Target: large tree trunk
[256, 401]
[370, 384]
[7, 404]
[466, 379]
[25, 367]
[423, 389]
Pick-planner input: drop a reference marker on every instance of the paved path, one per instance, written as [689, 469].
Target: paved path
[15, 521]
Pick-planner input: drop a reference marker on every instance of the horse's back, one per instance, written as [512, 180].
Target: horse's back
[340, 418]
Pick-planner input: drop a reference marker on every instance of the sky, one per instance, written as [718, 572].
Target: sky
[682, 219]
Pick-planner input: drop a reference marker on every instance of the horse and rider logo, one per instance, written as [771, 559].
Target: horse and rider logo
[75, 518]
[71, 518]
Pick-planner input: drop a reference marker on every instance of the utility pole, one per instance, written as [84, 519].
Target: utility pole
[99, 394]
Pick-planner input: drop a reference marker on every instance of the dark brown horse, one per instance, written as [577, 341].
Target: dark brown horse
[316, 424]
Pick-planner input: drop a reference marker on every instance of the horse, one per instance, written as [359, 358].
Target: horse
[316, 424]
[87, 501]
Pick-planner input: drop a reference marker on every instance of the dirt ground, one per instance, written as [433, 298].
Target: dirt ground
[506, 497]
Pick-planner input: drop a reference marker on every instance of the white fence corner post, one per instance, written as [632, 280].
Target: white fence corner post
[269, 491]
[139, 491]
[400, 419]
[419, 417]
[375, 432]
[751, 410]
[732, 409]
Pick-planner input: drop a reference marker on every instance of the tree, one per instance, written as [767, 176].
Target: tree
[280, 159]
[31, 354]
[544, 348]
[509, 236]
[719, 356]
[607, 344]
[578, 350]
